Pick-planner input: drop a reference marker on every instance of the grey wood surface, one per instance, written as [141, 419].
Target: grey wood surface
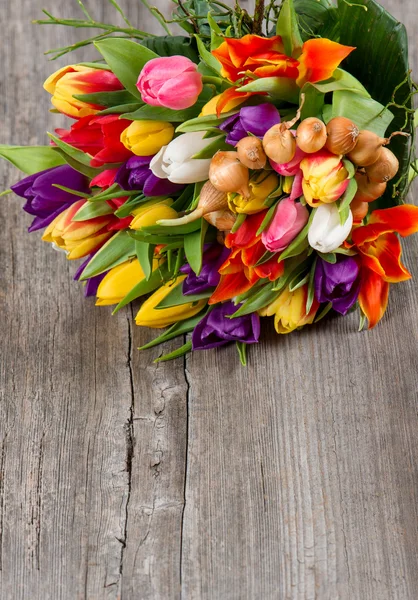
[295, 478]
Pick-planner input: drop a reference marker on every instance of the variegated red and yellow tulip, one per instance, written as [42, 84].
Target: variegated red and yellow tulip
[75, 80]
[253, 57]
[78, 238]
[240, 270]
[325, 178]
[289, 310]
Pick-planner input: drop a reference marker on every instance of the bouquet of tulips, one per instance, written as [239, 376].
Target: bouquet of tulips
[255, 167]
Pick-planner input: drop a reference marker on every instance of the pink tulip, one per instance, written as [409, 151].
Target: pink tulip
[289, 219]
[291, 168]
[170, 81]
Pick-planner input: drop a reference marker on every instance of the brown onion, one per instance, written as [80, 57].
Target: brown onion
[367, 190]
[359, 209]
[311, 135]
[250, 152]
[369, 147]
[228, 174]
[210, 200]
[279, 143]
[223, 220]
[385, 168]
[342, 135]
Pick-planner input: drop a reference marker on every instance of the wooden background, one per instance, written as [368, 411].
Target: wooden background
[295, 478]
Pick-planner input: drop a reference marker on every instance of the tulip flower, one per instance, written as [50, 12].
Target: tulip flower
[289, 219]
[150, 316]
[175, 163]
[373, 297]
[326, 233]
[145, 138]
[291, 168]
[136, 174]
[214, 256]
[264, 57]
[260, 189]
[78, 238]
[210, 108]
[289, 310]
[240, 271]
[75, 80]
[119, 281]
[92, 284]
[217, 329]
[45, 201]
[98, 136]
[150, 212]
[338, 283]
[170, 81]
[255, 120]
[325, 178]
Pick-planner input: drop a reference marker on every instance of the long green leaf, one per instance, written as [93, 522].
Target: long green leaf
[145, 255]
[287, 27]
[108, 99]
[32, 159]
[193, 247]
[115, 251]
[176, 297]
[175, 330]
[176, 353]
[92, 210]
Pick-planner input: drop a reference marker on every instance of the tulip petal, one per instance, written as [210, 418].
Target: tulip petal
[384, 258]
[402, 219]
[373, 296]
[319, 59]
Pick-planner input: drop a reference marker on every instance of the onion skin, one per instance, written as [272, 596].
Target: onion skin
[223, 220]
[385, 168]
[368, 191]
[228, 174]
[367, 150]
[251, 153]
[210, 200]
[359, 210]
[311, 135]
[279, 144]
[342, 136]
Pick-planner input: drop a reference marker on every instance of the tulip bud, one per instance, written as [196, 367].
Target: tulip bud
[289, 219]
[326, 233]
[175, 163]
[119, 281]
[289, 310]
[149, 213]
[325, 178]
[145, 138]
[150, 316]
[260, 189]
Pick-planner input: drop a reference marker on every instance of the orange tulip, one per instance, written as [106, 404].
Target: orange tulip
[373, 296]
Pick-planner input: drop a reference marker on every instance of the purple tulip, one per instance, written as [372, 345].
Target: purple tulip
[216, 329]
[214, 256]
[45, 201]
[250, 119]
[90, 288]
[337, 283]
[136, 174]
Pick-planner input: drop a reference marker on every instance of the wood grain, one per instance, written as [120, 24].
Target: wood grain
[196, 480]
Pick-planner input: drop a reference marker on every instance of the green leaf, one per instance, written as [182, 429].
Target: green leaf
[155, 239]
[323, 312]
[77, 159]
[317, 18]
[193, 247]
[346, 199]
[300, 243]
[264, 296]
[107, 99]
[349, 167]
[176, 297]
[341, 81]
[211, 149]
[207, 57]
[239, 221]
[126, 208]
[126, 59]
[176, 354]
[311, 286]
[278, 88]
[175, 330]
[92, 210]
[145, 255]
[381, 63]
[365, 112]
[174, 229]
[121, 109]
[267, 219]
[119, 248]
[171, 45]
[146, 286]
[203, 123]
[328, 257]
[287, 27]
[184, 199]
[216, 34]
[32, 159]
[242, 352]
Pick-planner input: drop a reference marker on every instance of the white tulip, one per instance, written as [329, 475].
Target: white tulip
[175, 163]
[326, 233]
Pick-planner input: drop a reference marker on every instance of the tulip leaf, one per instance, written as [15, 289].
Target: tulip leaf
[126, 59]
[145, 255]
[216, 33]
[72, 152]
[204, 122]
[323, 312]
[238, 222]
[267, 219]
[32, 159]
[211, 149]
[155, 239]
[173, 229]
[171, 45]
[119, 248]
[176, 297]
[341, 81]
[91, 210]
[184, 199]
[193, 247]
[317, 18]
[278, 88]
[77, 166]
[176, 354]
[146, 286]
[328, 257]
[208, 58]
[349, 167]
[242, 352]
[126, 208]
[298, 245]
[107, 99]
[121, 109]
[345, 201]
[175, 330]
[266, 295]
[365, 112]
[311, 286]
[298, 281]
[287, 27]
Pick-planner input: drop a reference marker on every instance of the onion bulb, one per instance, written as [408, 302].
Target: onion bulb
[250, 152]
[279, 142]
[369, 147]
[385, 168]
[311, 135]
[223, 220]
[210, 200]
[367, 190]
[228, 174]
[342, 135]
[359, 209]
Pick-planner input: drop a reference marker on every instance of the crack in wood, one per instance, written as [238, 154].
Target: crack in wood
[186, 464]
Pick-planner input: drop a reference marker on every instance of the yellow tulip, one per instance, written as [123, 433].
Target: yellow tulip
[289, 310]
[145, 138]
[77, 238]
[149, 316]
[210, 107]
[119, 281]
[151, 212]
[260, 188]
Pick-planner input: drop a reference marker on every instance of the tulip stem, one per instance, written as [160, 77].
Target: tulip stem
[258, 17]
